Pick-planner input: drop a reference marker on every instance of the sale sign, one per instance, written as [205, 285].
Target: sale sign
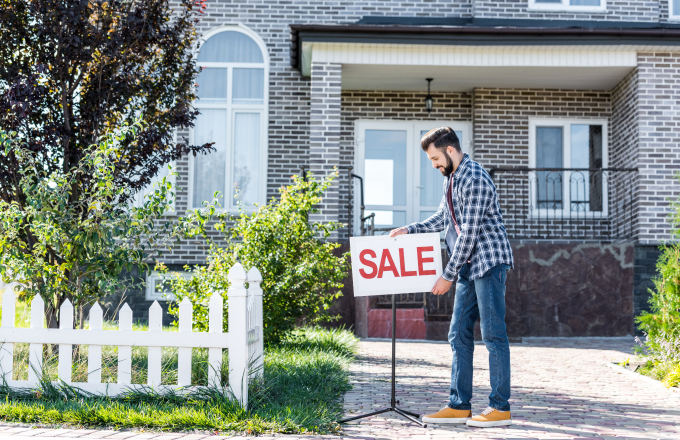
[390, 265]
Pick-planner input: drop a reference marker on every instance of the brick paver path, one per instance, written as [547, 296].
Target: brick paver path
[561, 390]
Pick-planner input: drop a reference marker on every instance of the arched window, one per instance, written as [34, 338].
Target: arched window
[232, 98]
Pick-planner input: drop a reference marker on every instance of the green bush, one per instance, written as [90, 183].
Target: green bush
[662, 325]
[301, 273]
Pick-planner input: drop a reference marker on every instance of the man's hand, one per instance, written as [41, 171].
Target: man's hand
[441, 286]
[399, 231]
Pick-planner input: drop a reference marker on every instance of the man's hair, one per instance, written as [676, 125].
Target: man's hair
[442, 137]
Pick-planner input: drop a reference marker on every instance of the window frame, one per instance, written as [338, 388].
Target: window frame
[565, 124]
[673, 15]
[564, 6]
[151, 295]
[231, 110]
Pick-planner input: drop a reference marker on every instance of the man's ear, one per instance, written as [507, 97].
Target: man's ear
[450, 150]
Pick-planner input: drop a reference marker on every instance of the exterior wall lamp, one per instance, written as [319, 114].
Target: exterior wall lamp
[428, 99]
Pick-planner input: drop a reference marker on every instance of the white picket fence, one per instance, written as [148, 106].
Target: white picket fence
[244, 340]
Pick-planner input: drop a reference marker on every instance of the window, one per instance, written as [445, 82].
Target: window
[139, 197]
[674, 9]
[232, 98]
[568, 5]
[400, 185]
[158, 289]
[566, 152]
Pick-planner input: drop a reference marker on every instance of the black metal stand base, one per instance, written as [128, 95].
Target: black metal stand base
[393, 407]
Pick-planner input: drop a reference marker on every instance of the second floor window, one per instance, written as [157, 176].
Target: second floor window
[568, 5]
[232, 99]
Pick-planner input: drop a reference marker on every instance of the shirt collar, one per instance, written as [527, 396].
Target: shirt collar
[463, 163]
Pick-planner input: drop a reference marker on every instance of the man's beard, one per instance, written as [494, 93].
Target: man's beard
[448, 169]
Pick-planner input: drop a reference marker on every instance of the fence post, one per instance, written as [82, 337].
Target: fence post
[8, 316]
[155, 325]
[65, 350]
[125, 351]
[238, 334]
[35, 352]
[94, 355]
[254, 289]
[184, 353]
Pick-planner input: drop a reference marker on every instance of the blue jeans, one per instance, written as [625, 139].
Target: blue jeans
[485, 298]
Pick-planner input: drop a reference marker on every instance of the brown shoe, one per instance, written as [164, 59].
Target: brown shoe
[491, 417]
[448, 415]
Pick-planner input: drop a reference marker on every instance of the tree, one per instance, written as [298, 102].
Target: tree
[72, 70]
[51, 249]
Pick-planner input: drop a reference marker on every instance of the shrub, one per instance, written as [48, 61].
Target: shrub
[662, 325]
[69, 238]
[301, 274]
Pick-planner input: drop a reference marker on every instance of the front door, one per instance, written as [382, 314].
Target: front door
[400, 185]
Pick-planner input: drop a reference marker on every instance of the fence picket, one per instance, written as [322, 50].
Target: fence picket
[94, 357]
[8, 316]
[256, 350]
[215, 316]
[35, 354]
[184, 353]
[125, 351]
[155, 325]
[238, 333]
[65, 350]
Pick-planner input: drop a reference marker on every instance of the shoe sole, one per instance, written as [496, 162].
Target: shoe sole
[444, 421]
[477, 424]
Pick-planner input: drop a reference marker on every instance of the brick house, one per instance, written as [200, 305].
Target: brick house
[571, 105]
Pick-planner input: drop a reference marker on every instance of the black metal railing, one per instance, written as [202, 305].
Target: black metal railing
[567, 203]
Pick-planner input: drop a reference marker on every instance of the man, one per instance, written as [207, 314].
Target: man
[481, 256]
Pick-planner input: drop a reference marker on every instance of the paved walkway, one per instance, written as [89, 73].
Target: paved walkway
[561, 390]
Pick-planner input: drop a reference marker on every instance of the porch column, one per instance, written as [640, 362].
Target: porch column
[659, 152]
[324, 146]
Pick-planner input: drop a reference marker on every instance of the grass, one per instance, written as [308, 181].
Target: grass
[666, 372]
[304, 378]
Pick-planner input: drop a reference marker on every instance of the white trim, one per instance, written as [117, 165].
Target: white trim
[564, 6]
[413, 152]
[565, 124]
[673, 15]
[231, 109]
[462, 55]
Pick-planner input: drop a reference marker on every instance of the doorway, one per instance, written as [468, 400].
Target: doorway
[400, 185]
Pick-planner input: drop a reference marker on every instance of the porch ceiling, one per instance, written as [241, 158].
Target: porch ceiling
[466, 78]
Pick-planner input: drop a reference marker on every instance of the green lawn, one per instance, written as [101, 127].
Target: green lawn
[301, 389]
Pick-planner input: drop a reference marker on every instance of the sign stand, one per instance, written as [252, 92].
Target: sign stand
[393, 403]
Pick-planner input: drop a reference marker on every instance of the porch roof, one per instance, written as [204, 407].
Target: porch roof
[462, 54]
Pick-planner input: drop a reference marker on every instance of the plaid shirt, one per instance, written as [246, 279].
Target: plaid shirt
[482, 238]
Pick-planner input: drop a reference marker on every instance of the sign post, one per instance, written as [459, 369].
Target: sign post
[390, 266]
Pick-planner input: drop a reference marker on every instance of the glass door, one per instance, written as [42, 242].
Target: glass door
[400, 185]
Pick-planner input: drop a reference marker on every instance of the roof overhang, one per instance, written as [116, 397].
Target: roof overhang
[486, 53]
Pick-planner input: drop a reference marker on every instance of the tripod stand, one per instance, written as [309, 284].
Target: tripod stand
[393, 403]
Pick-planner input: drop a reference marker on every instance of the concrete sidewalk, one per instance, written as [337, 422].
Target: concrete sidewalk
[561, 390]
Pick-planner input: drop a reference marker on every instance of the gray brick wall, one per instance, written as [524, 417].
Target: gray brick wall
[616, 11]
[324, 146]
[623, 153]
[500, 135]
[659, 152]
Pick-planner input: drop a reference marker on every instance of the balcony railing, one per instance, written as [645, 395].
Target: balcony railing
[567, 203]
